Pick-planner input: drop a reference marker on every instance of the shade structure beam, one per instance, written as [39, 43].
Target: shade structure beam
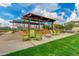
[37, 17]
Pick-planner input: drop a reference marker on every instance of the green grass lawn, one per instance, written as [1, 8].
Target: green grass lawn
[68, 46]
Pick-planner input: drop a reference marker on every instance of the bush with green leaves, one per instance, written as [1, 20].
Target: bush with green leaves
[58, 26]
[46, 27]
[20, 28]
[5, 28]
[69, 26]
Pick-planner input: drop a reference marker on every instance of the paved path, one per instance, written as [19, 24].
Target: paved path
[12, 42]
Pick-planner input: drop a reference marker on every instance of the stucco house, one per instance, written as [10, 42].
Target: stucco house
[76, 25]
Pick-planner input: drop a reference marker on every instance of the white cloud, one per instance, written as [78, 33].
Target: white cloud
[60, 18]
[44, 13]
[18, 17]
[5, 23]
[63, 13]
[77, 9]
[73, 17]
[1, 20]
[52, 15]
[44, 8]
[49, 6]
[25, 4]
[36, 11]
[77, 6]
[23, 11]
[69, 19]
[5, 4]
[8, 14]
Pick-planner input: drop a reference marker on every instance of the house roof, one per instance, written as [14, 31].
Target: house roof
[35, 17]
[75, 21]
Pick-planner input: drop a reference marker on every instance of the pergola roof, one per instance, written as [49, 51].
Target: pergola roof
[24, 22]
[35, 17]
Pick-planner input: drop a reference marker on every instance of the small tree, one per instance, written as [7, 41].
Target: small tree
[58, 28]
[46, 27]
[20, 28]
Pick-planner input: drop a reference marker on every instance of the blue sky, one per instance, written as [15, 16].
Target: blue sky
[17, 10]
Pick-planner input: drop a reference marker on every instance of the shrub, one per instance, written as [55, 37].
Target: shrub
[69, 26]
[58, 26]
[46, 27]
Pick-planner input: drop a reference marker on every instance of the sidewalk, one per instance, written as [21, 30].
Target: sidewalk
[13, 42]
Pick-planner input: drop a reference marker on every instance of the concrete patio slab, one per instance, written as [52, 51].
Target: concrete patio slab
[13, 42]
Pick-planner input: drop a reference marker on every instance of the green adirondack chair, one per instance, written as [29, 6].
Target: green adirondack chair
[38, 35]
[26, 38]
[53, 32]
[32, 33]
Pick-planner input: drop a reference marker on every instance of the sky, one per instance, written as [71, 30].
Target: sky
[62, 12]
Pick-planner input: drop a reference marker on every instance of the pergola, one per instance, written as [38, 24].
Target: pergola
[24, 22]
[33, 19]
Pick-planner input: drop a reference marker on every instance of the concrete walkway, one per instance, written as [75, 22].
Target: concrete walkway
[13, 42]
